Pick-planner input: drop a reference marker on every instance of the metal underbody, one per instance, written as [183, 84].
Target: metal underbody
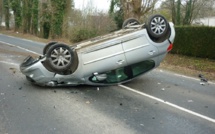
[96, 56]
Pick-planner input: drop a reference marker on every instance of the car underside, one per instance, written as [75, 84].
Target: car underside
[111, 59]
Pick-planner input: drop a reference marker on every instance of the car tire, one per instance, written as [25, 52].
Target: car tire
[47, 46]
[158, 27]
[130, 22]
[59, 58]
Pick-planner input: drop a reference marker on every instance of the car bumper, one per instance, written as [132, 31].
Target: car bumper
[34, 70]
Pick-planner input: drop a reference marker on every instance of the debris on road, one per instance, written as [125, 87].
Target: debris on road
[163, 89]
[97, 88]
[203, 80]
[13, 70]
[190, 101]
[202, 83]
[87, 102]
[20, 88]
[120, 104]
[142, 125]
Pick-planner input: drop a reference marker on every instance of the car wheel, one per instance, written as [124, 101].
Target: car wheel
[47, 46]
[157, 27]
[59, 58]
[130, 22]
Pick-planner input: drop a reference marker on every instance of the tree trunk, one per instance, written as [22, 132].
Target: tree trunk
[173, 11]
[178, 17]
[1, 12]
[35, 14]
[16, 7]
[188, 13]
[27, 15]
[7, 14]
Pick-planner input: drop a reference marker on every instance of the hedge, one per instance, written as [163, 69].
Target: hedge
[195, 41]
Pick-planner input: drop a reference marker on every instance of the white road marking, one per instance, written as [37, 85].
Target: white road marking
[20, 47]
[169, 104]
[19, 38]
[10, 63]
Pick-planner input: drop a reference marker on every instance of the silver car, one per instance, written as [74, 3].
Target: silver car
[105, 60]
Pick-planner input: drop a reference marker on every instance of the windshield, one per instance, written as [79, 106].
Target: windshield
[125, 73]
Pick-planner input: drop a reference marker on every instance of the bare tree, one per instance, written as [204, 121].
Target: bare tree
[89, 22]
[183, 12]
[137, 8]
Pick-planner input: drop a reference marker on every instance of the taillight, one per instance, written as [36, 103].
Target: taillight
[170, 47]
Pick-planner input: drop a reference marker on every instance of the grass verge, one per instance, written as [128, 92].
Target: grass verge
[190, 66]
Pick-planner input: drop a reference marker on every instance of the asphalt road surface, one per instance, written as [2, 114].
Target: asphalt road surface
[159, 102]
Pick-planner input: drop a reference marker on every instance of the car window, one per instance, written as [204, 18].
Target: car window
[142, 67]
[125, 73]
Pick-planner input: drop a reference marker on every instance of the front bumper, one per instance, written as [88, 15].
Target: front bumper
[35, 71]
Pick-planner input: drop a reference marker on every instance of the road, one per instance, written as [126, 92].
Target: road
[159, 102]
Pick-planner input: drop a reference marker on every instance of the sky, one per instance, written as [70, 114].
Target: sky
[102, 5]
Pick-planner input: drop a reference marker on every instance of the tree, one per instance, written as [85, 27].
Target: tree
[54, 18]
[57, 15]
[35, 16]
[183, 12]
[178, 13]
[124, 9]
[27, 15]
[1, 11]
[66, 20]
[6, 13]
[116, 12]
[137, 8]
[44, 19]
[17, 10]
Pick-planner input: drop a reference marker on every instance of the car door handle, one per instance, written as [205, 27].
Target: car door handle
[120, 62]
[151, 52]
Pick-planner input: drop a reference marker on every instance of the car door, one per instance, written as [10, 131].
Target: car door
[138, 49]
[103, 58]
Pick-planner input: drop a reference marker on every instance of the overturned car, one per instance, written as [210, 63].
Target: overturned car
[105, 60]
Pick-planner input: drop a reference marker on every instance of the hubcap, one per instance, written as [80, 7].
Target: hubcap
[158, 25]
[61, 57]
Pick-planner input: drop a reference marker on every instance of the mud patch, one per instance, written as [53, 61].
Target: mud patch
[13, 70]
